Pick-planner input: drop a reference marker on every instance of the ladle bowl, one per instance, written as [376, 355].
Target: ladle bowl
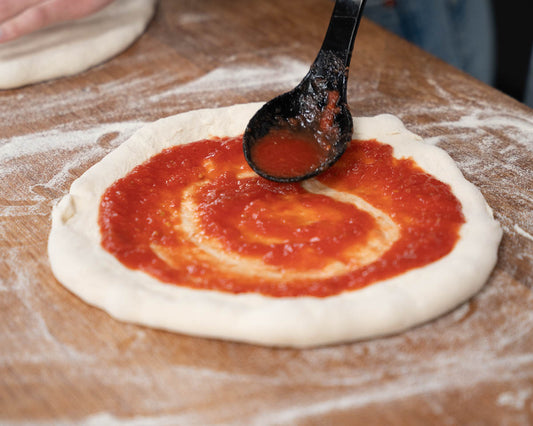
[301, 133]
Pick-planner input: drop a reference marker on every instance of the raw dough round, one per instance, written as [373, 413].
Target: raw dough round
[83, 266]
[73, 47]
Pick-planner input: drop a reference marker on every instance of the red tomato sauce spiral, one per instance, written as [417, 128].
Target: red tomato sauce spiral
[195, 215]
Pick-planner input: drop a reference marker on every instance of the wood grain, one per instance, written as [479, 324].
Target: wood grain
[62, 361]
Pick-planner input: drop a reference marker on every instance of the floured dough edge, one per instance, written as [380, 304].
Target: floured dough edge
[389, 306]
[72, 47]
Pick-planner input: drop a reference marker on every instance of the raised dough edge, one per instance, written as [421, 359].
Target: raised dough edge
[390, 306]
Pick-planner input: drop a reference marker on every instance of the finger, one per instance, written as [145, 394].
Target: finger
[28, 21]
[47, 13]
[68, 9]
[11, 8]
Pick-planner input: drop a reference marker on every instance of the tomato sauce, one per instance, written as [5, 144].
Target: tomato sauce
[286, 153]
[293, 149]
[282, 227]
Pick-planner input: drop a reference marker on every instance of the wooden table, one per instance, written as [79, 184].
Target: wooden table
[62, 361]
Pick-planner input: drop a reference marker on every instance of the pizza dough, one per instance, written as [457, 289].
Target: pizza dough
[73, 47]
[81, 264]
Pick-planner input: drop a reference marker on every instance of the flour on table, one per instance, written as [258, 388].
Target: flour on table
[477, 344]
[281, 73]
[73, 47]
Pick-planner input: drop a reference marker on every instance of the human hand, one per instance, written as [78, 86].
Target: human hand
[20, 17]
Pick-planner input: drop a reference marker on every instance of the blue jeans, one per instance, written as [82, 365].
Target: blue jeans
[528, 96]
[460, 32]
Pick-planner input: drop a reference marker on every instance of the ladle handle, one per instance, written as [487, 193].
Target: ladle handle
[342, 29]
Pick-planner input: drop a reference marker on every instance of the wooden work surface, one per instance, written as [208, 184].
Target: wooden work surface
[63, 361]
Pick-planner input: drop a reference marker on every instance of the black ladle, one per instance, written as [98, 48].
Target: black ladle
[316, 108]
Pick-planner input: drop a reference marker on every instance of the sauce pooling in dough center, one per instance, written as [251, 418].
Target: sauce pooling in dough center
[195, 215]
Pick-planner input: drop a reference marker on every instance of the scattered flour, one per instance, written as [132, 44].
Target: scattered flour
[493, 146]
[515, 399]
[281, 74]
[520, 231]
[479, 343]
